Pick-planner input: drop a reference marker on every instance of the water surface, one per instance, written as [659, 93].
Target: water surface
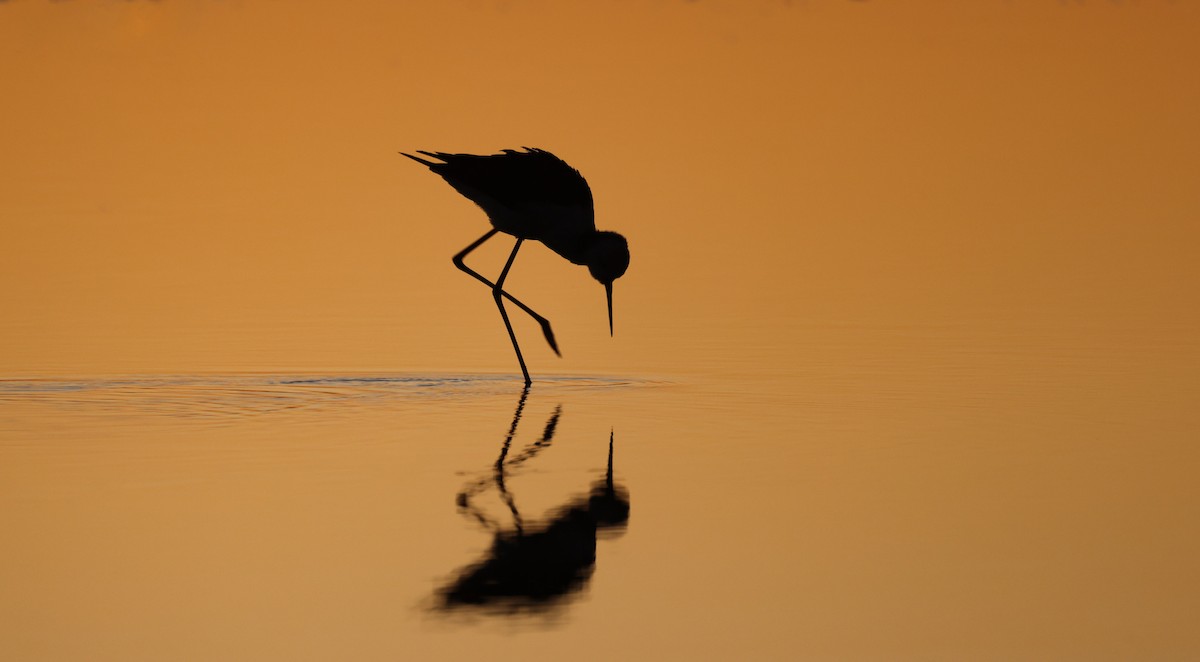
[912, 493]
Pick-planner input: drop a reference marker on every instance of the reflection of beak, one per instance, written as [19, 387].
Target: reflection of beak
[608, 291]
[608, 478]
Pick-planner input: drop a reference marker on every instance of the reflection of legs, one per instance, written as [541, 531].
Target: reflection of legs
[512, 430]
[464, 496]
[498, 295]
[537, 446]
[458, 262]
[504, 462]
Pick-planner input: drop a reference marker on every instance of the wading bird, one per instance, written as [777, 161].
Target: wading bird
[532, 195]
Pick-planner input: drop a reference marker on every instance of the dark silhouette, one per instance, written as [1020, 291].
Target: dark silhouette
[534, 567]
[533, 195]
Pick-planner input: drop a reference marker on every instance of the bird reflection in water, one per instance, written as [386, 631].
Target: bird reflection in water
[534, 567]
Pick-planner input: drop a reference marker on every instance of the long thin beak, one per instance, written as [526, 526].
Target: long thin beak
[608, 291]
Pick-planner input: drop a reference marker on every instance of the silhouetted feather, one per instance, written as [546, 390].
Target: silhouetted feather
[419, 159]
[517, 180]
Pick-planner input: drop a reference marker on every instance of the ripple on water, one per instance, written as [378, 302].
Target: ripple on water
[235, 396]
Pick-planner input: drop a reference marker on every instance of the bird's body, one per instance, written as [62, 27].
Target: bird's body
[529, 195]
[533, 195]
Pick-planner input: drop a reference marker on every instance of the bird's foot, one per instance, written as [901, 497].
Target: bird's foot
[550, 337]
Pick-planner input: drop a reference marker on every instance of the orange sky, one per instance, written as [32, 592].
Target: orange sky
[206, 186]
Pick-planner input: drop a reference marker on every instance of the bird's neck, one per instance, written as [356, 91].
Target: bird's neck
[572, 245]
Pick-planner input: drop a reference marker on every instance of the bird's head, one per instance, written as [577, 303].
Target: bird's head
[607, 260]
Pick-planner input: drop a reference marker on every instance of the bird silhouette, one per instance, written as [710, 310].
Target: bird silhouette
[532, 194]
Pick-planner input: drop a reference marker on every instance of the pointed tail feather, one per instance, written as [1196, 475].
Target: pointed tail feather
[421, 160]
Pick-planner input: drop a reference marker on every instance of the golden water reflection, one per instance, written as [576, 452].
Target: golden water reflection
[534, 567]
[1030, 493]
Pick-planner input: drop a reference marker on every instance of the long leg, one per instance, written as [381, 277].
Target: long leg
[458, 262]
[498, 295]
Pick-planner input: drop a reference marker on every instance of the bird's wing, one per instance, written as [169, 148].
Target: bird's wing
[515, 182]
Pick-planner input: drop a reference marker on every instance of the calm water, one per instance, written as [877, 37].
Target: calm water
[909, 493]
